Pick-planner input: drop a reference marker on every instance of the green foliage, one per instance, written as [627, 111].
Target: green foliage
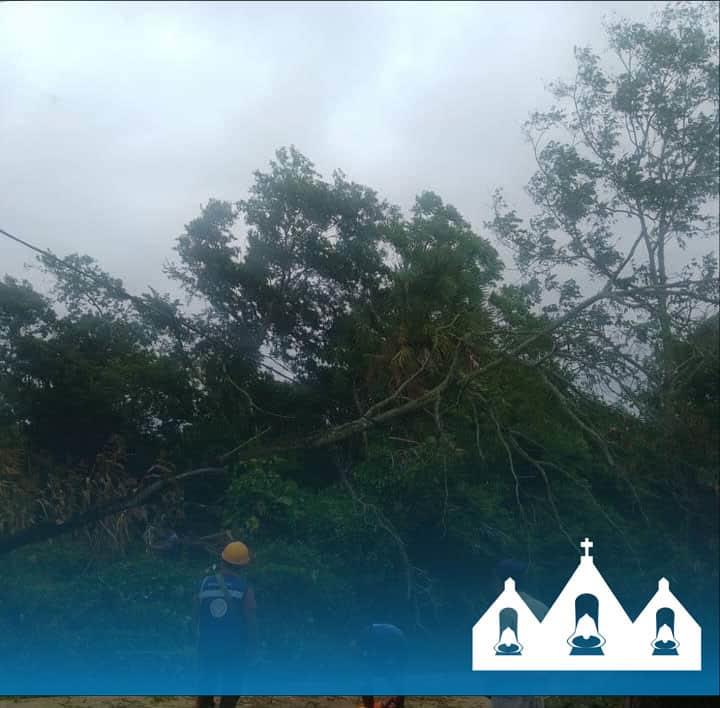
[313, 249]
[627, 167]
[88, 378]
[359, 310]
[144, 595]
[264, 506]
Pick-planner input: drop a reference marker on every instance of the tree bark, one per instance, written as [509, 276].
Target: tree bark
[52, 529]
[375, 415]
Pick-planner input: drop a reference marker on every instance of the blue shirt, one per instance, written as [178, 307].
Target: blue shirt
[222, 616]
[384, 641]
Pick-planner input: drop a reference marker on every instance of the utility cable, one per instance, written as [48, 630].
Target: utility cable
[123, 294]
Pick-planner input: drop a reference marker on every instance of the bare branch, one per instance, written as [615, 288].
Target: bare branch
[568, 407]
[584, 484]
[477, 432]
[52, 529]
[508, 452]
[386, 401]
[248, 398]
[642, 236]
[551, 499]
[244, 444]
[407, 440]
[382, 521]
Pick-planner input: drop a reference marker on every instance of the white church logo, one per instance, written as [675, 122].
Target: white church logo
[586, 629]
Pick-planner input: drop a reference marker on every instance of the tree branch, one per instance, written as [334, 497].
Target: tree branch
[589, 430]
[504, 443]
[248, 398]
[385, 402]
[551, 499]
[243, 444]
[52, 529]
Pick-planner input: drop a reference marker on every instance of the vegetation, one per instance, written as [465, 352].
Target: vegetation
[359, 395]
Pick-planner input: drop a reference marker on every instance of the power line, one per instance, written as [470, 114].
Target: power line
[123, 294]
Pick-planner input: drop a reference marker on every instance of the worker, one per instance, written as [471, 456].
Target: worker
[383, 649]
[226, 627]
[517, 570]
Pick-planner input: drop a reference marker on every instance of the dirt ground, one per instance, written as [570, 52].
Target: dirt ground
[271, 702]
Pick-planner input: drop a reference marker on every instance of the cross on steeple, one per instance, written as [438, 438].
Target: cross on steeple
[586, 545]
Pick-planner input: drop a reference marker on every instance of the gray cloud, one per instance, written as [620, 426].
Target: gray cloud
[117, 121]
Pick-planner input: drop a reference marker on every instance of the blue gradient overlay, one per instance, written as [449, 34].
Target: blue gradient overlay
[122, 660]
[434, 669]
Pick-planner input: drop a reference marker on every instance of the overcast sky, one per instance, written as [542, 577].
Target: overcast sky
[117, 121]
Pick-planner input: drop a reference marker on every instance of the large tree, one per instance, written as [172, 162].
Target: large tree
[352, 345]
[627, 178]
[70, 382]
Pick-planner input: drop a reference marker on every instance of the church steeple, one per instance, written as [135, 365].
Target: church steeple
[664, 637]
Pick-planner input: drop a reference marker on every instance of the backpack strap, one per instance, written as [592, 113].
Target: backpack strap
[227, 593]
[223, 587]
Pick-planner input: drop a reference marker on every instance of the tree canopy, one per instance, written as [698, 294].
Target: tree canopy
[360, 395]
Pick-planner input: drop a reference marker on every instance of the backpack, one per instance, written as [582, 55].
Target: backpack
[221, 609]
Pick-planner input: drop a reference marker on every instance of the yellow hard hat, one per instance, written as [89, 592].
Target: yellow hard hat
[236, 553]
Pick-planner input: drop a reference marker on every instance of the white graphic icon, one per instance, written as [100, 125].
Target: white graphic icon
[218, 608]
[587, 629]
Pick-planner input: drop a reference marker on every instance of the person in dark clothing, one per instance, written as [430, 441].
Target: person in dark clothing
[226, 627]
[383, 649]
